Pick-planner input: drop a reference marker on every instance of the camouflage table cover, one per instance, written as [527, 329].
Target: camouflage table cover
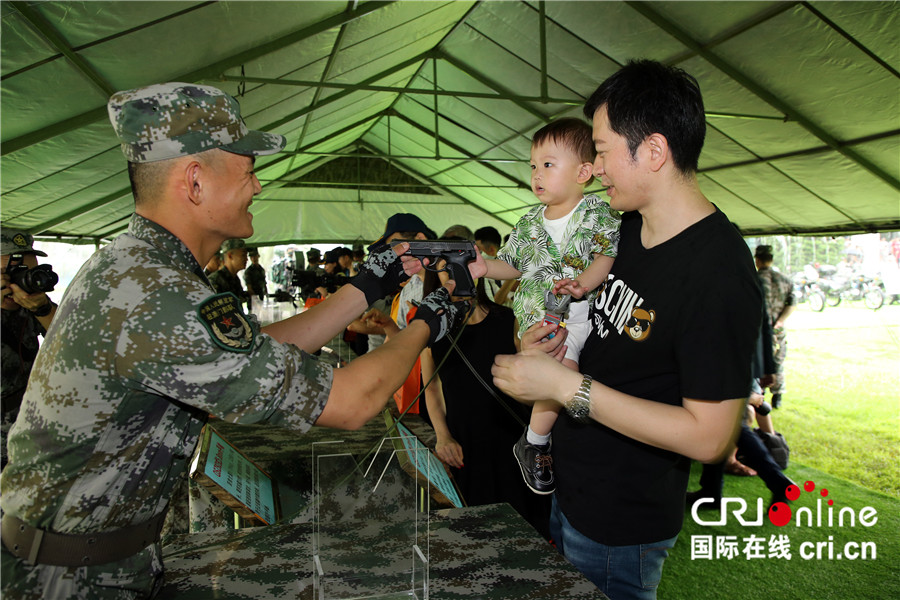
[286, 457]
[476, 552]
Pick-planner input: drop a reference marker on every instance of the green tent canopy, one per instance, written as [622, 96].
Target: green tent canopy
[428, 107]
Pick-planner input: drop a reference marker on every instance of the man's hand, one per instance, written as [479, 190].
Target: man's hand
[382, 273]
[27, 301]
[441, 314]
[538, 337]
[532, 375]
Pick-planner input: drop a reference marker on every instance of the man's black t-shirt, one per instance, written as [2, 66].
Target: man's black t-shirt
[678, 320]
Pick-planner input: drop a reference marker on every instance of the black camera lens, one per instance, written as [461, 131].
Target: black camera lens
[39, 279]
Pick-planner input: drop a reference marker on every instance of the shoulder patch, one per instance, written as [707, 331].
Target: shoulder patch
[222, 316]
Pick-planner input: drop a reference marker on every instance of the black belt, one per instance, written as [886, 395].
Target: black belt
[40, 547]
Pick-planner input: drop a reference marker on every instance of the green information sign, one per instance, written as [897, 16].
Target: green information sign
[240, 478]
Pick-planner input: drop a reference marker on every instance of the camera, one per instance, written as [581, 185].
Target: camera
[39, 279]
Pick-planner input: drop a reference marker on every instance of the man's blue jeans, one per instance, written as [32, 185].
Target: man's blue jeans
[621, 572]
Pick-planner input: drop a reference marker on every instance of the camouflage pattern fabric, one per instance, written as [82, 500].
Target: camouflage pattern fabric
[592, 229]
[175, 119]
[224, 281]
[440, 314]
[477, 552]
[779, 293]
[255, 278]
[20, 330]
[120, 390]
[380, 275]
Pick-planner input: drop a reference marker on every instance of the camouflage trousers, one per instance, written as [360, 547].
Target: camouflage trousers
[137, 577]
[779, 352]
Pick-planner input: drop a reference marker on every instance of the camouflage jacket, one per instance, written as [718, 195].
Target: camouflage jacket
[20, 330]
[224, 281]
[255, 278]
[592, 229]
[140, 351]
[778, 290]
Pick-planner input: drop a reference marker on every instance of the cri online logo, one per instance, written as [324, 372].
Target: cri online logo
[780, 513]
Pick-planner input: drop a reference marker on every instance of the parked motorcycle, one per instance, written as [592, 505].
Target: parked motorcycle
[806, 289]
[852, 287]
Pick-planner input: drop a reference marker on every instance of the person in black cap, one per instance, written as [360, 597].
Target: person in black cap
[234, 252]
[25, 316]
[779, 294]
[406, 226]
[255, 276]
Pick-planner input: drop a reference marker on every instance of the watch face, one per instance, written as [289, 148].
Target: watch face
[579, 409]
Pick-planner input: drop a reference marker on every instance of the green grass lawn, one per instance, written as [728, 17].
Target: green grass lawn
[841, 418]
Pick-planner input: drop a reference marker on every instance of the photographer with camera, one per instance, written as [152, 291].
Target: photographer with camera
[27, 312]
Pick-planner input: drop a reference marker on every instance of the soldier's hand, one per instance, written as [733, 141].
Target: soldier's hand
[381, 274]
[440, 313]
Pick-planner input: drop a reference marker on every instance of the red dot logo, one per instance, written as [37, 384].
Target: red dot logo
[824, 492]
[792, 492]
[809, 486]
[780, 514]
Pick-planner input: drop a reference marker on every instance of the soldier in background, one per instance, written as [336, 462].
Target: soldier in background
[779, 293]
[214, 264]
[25, 316]
[142, 351]
[225, 279]
[255, 276]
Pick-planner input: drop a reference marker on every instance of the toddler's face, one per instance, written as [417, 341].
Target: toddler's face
[555, 171]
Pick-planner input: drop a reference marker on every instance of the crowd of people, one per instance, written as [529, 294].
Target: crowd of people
[589, 370]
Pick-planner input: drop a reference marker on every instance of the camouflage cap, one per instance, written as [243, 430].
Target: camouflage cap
[17, 241]
[175, 119]
[232, 244]
[252, 252]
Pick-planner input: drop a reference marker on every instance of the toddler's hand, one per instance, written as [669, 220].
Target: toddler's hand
[572, 287]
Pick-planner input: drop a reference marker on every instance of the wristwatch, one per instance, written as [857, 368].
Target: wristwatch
[43, 310]
[579, 407]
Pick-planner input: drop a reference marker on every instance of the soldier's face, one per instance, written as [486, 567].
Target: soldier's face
[233, 184]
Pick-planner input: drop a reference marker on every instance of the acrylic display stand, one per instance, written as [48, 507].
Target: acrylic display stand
[380, 504]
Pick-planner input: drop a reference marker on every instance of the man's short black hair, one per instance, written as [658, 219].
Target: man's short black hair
[490, 235]
[646, 97]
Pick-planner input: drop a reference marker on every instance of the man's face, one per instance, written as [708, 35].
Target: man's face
[30, 261]
[615, 167]
[232, 185]
[236, 259]
[555, 173]
[345, 260]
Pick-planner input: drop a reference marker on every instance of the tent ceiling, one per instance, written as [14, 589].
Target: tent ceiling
[428, 107]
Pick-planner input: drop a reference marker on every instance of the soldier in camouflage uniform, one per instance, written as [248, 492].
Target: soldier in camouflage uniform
[779, 293]
[255, 276]
[142, 350]
[234, 252]
[24, 317]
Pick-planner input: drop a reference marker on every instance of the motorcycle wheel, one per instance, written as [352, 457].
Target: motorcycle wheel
[833, 300]
[817, 301]
[874, 299]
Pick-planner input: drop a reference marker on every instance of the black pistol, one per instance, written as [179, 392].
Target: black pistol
[458, 255]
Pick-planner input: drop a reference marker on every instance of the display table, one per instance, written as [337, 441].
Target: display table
[476, 552]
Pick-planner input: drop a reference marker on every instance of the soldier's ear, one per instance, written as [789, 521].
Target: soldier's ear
[193, 181]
